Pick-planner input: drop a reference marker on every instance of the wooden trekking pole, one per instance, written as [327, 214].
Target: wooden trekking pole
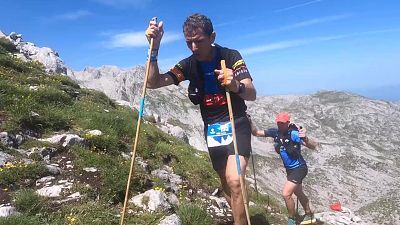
[141, 108]
[232, 120]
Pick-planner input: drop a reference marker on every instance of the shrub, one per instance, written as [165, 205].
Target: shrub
[97, 97]
[49, 119]
[91, 213]
[15, 174]
[7, 46]
[28, 202]
[191, 214]
[52, 96]
[17, 65]
[105, 143]
[66, 81]
[20, 220]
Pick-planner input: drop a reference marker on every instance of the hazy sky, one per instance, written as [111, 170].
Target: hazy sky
[290, 46]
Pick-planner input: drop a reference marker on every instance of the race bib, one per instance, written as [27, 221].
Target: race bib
[219, 134]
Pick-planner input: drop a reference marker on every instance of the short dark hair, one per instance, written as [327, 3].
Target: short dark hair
[198, 21]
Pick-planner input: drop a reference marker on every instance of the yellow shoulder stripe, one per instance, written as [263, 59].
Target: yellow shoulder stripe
[237, 64]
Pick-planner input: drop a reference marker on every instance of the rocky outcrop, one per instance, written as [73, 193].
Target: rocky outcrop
[64, 139]
[338, 218]
[28, 51]
[4, 158]
[171, 220]
[11, 140]
[7, 210]
[172, 181]
[151, 200]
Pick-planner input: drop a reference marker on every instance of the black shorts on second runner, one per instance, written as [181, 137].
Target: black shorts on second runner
[219, 155]
[297, 175]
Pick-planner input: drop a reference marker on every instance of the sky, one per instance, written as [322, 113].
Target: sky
[289, 46]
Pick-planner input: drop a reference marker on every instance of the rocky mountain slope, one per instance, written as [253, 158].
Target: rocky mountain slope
[169, 106]
[357, 162]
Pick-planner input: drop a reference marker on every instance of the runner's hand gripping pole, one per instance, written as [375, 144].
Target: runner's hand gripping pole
[241, 177]
[141, 108]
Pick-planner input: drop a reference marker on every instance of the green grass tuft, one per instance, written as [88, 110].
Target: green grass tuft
[193, 214]
[28, 202]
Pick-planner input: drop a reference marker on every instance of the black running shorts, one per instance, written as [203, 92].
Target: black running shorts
[297, 175]
[219, 155]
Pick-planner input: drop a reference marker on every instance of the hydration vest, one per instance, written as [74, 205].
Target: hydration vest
[213, 106]
[285, 141]
[196, 85]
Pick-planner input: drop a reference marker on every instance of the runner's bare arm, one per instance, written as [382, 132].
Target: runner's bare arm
[157, 80]
[155, 31]
[250, 91]
[256, 132]
[309, 143]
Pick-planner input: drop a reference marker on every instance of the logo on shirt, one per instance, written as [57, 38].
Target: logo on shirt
[215, 100]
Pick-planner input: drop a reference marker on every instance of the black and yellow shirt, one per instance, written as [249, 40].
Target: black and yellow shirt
[213, 104]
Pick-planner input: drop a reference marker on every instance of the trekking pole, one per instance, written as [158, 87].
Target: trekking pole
[241, 178]
[141, 107]
[254, 173]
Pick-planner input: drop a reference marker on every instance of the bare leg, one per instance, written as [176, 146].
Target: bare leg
[303, 199]
[288, 190]
[225, 188]
[233, 181]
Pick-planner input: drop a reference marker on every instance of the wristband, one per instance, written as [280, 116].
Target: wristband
[153, 55]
